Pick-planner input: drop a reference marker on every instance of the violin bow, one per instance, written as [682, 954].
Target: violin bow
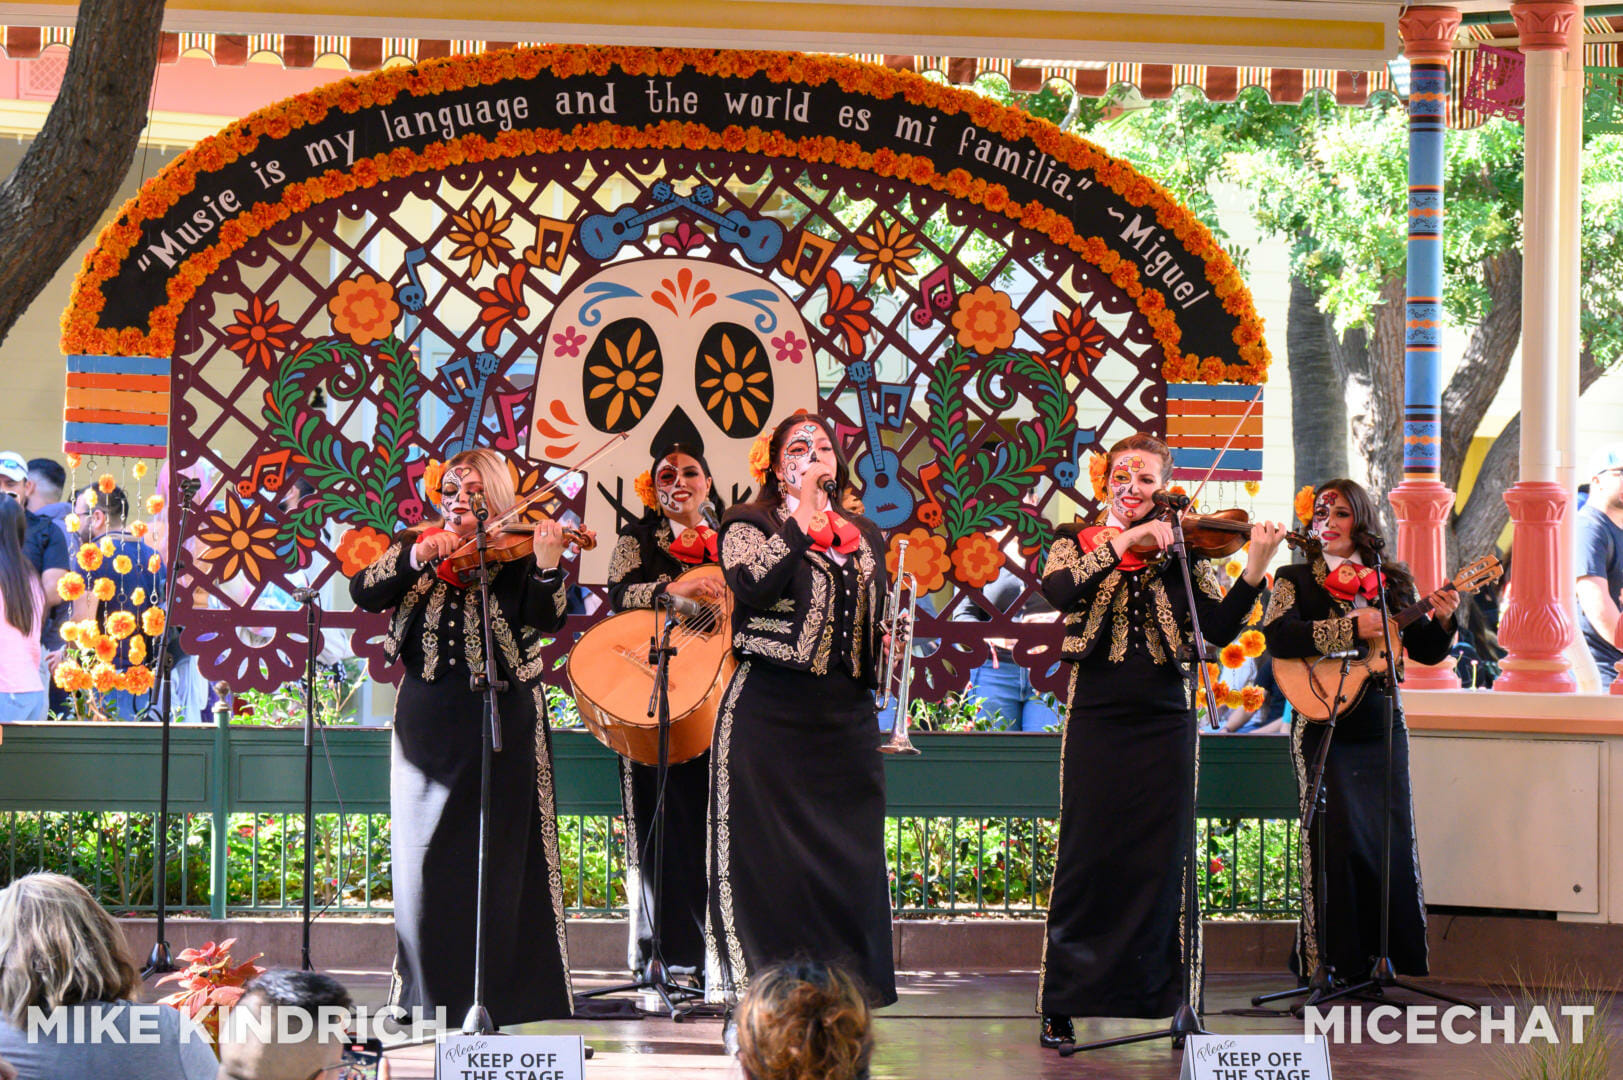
[542, 492]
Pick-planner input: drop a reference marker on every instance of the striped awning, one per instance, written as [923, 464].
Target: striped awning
[1152, 81]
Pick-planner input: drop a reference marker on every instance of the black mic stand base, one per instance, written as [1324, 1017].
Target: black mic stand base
[1185, 1022]
[478, 1022]
[159, 961]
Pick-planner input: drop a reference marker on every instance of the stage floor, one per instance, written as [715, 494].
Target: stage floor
[958, 1027]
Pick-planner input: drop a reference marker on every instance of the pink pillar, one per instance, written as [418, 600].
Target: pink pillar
[1422, 500]
[1537, 627]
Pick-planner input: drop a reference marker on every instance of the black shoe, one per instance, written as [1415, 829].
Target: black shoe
[1057, 1031]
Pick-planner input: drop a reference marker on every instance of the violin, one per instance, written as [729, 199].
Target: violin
[508, 543]
[1219, 535]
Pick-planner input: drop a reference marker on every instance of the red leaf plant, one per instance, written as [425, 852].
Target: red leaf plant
[209, 983]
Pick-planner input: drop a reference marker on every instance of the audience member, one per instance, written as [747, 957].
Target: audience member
[45, 545]
[804, 1021]
[60, 950]
[1600, 561]
[1007, 700]
[49, 480]
[22, 614]
[295, 1050]
[125, 562]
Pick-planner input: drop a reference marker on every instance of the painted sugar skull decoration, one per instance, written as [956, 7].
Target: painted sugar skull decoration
[670, 350]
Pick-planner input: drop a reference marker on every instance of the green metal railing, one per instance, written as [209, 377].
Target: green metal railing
[970, 827]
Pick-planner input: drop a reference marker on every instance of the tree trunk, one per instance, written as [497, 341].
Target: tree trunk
[1480, 521]
[75, 166]
[1482, 369]
[1318, 391]
[1378, 429]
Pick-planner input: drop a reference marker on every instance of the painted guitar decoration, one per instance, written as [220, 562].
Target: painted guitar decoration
[757, 239]
[1310, 683]
[887, 502]
[477, 378]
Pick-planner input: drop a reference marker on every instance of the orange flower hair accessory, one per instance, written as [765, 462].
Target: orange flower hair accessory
[432, 472]
[761, 457]
[645, 489]
[1098, 470]
[1304, 504]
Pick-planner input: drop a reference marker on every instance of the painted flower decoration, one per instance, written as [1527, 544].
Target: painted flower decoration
[976, 560]
[790, 347]
[240, 538]
[761, 458]
[732, 388]
[645, 489]
[256, 335]
[107, 482]
[71, 677]
[846, 313]
[359, 548]
[1075, 340]
[504, 305]
[985, 320]
[1233, 655]
[1303, 504]
[1099, 474]
[630, 375]
[138, 679]
[152, 622]
[364, 310]
[478, 236]
[568, 342]
[888, 252]
[70, 588]
[927, 558]
[121, 624]
[1253, 698]
[104, 589]
[1253, 643]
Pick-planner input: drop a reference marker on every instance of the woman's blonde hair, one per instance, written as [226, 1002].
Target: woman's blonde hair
[500, 495]
[59, 947]
[804, 1021]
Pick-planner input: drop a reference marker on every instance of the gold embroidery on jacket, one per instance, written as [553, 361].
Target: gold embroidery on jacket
[1333, 635]
[1282, 602]
[384, 566]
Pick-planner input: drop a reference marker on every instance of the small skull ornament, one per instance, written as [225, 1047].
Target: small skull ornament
[665, 349]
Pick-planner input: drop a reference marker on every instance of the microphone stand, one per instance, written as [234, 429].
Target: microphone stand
[312, 603]
[1314, 808]
[159, 961]
[477, 1021]
[1186, 1019]
[1382, 974]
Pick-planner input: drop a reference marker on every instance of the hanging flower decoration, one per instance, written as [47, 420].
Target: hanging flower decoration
[256, 335]
[1253, 698]
[71, 677]
[1303, 504]
[105, 648]
[155, 504]
[138, 649]
[1252, 487]
[888, 252]
[90, 498]
[359, 548]
[1075, 339]
[71, 522]
[239, 539]
[152, 622]
[760, 460]
[503, 305]
[364, 310]
[478, 236]
[1099, 474]
[139, 680]
[985, 320]
[976, 560]
[140, 470]
[74, 460]
[153, 563]
[139, 529]
[1233, 655]
[732, 383]
[139, 596]
[107, 483]
[70, 630]
[106, 678]
[104, 589]
[107, 547]
[70, 587]
[1253, 643]
[122, 564]
[927, 558]
[121, 624]
[846, 313]
[645, 489]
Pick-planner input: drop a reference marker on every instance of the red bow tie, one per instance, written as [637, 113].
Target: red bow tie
[837, 534]
[1349, 580]
[695, 546]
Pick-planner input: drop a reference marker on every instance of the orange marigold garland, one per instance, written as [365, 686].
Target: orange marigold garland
[121, 624]
[104, 589]
[1233, 655]
[152, 622]
[139, 679]
[70, 676]
[71, 587]
[1253, 643]
[1253, 698]
[89, 558]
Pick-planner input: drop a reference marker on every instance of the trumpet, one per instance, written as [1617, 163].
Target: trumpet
[896, 679]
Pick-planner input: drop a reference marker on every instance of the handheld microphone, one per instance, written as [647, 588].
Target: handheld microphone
[1166, 500]
[831, 488]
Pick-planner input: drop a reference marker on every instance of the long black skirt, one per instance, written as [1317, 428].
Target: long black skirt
[797, 829]
[681, 903]
[1354, 791]
[1114, 941]
[434, 802]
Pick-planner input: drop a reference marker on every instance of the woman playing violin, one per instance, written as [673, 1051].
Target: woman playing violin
[1113, 944]
[677, 533]
[1331, 605]
[436, 634]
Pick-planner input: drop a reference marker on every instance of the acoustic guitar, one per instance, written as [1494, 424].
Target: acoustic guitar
[613, 679]
[1310, 683]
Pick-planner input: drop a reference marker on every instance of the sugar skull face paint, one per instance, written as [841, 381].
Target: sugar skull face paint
[1134, 478]
[1333, 523]
[805, 444]
[680, 484]
[456, 486]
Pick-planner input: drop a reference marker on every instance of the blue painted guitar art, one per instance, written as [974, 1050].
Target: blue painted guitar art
[757, 239]
[887, 502]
